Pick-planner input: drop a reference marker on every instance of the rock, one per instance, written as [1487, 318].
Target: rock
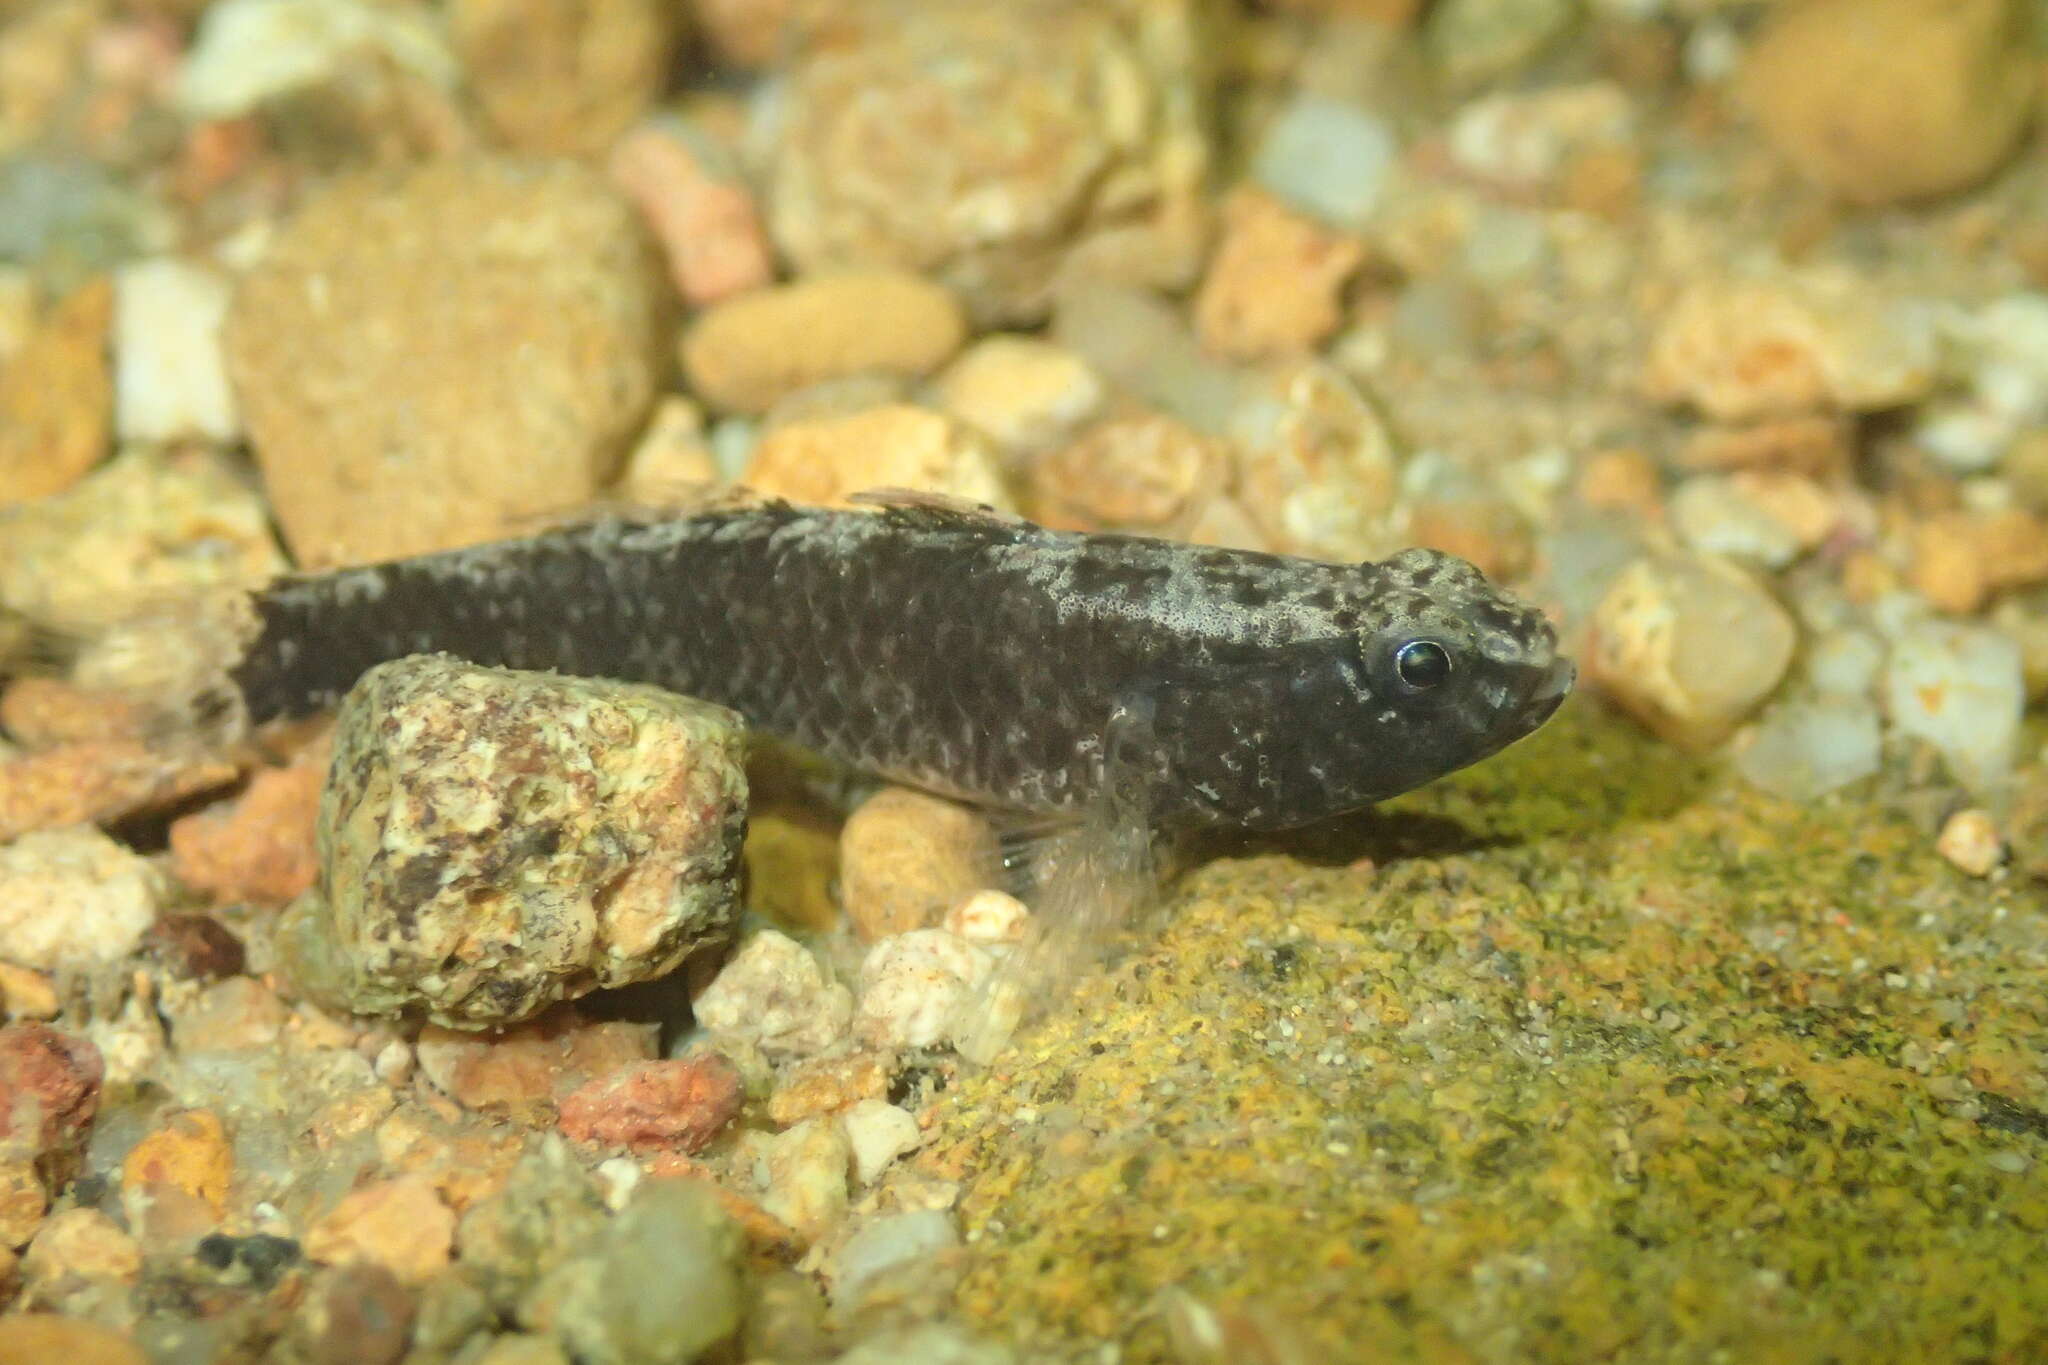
[170, 380]
[239, 1014]
[194, 947]
[748, 33]
[707, 224]
[71, 897]
[998, 150]
[1961, 689]
[57, 398]
[1969, 839]
[1961, 558]
[1275, 285]
[747, 352]
[1689, 645]
[42, 713]
[365, 349]
[827, 1085]
[1330, 159]
[23, 1202]
[662, 1285]
[258, 1259]
[25, 994]
[897, 1242]
[356, 1314]
[1817, 445]
[1742, 349]
[1476, 42]
[932, 1344]
[259, 846]
[39, 1338]
[398, 1224]
[1142, 471]
[802, 1174]
[1025, 394]
[1142, 345]
[650, 1106]
[988, 918]
[564, 78]
[1316, 465]
[1879, 101]
[188, 1151]
[1717, 515]
[672, 463]
[826, 460]
[1802, 750]
[523, 1072]
[80, 1244]
[493, 842]
[1525, 142]
[878, 1132]
[775, 995]
[518, 1348]
[905, 856]
[96, 781]
[914, 987]
[248, 52]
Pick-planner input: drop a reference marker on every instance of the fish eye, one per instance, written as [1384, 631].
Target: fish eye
[1422, 664]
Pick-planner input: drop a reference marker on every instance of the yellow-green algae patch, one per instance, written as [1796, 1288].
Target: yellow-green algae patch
[1595, 1058]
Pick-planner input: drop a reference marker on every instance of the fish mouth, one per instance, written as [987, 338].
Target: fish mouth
[1550, 692]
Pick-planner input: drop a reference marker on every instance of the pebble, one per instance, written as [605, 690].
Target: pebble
[1140, 471]
[1316, 469]
[662, 1285]
[894, 1243]
[707, 224]
[1960, 688]
[73, 896]
[828, 1085]
[523, 1072]
[239, 1014]
[1817, 445]
[1143, 346]
[354, 1314]
[1802, 750]
[905, 856]
[1275, 284]
[23, 1202]
[1523, 142]
[988, 918]
[914, 987]
[1879, 101]
[57, 398]
[256, 847]
[676, 1105]
[931, 1344]
[170, 379]
[1736, 519]
[1025, 394]
[145, 526]
[1476, 42]
[40, 1338]
[1742, 349]
[802, 1174]
[42, 713]
[248, 52]
[826, 460]
[97, 782]
[25, 994]
[748, 33]
[1960, 559]
[1329, 159]
[1689, 645]
[747, 353]
[629, 801]
[672, 463]
[563, 79]
[878, 1132]
[188, 1151]
[399, 1224]
[774, 994]
[367, 350]
[1969, 839]
[79, 1244]
[1844, 663]
[1000, 150]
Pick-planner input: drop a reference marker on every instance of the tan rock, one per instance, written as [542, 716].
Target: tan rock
[399, 1224]
[188, 1151]
[81, 1243]
[747, 352]
[1961, 558]
[40, 1338]
[826, 1085]
[25, 994]
[1275, 286]
[240, 1014]
[827, 460]
[72, 897]
[96, 781]
[1623, 480]
[523, 1072]
[23, 1201]
[1023, 393]
[1884, 100]
[1817, 445]
[905, 857]
[57, 398]
[791, 864]
[257, 847]
[40, 713]
[564, 76]
[1140, 471]
[1969, 839]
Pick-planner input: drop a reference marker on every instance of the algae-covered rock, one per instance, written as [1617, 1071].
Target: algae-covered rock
[492, 842]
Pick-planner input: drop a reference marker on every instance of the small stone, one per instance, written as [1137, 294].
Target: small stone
[1275, 285]
[987, 918]
[355, 1314]
[803, 1173]
[748, 33]
[1818, 445]
[932, 1344]
[194, 947]
[23, 1201]
[1802, 750]
[1328, 158]
[1689, 646]
[1524, 142]
[878, 1132]
[546, 1212]
[25, 994]
[914, 986]
[564, 78]
[97, 781]
[520, 1348]
[1744, 349]
[1961, 558]
[1142, 345]
[365, 349]
[73, 896]
[748, 352]
[826, 460]
[188, 1151]
[889, 1244]
[649, 1106]
[165, 1220]
[1482, 530]
[1476, 42]
[1716, 516]
[827, 1085]
[626, 805]
[399, 1224]
[662, 1284]
[170, 380]
[775, 995]
[40, 1338]
[906, 856]
[1025, 394]
[673, 462]
[42, 713]
[1879, 101]
[1962, 690]
[1621, 481]
[1317, 468]
[708, 227]
[248, 52]
[523, 1072]
[1844, 663]
[57, 398]
[258, 847]
[83, 1244]
[239, 1014]
[1969, 839]
[1143, 472]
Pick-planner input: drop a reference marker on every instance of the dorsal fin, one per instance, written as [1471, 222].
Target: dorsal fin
[947, 505]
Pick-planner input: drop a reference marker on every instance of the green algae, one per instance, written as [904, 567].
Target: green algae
[1585, 1054]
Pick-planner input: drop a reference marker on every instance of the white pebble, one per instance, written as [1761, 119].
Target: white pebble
[1960, 688]
[73, 896]
[1970, 841]
[914, 986]
[170, 381]
[1714, 516]
[1844, 663]
[618, 1177]
[774, 994]
[895, 1240]
[1329, 158]
[802, 1174]
[1804, 749]
[879, 1132]
[249, 51]
[988, 917]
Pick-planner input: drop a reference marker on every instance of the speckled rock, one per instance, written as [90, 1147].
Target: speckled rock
[677, 1105]
[747, 352]
[827, 459]
[1275, 284]
[258, 847]
[399, 1224]
[1023, 393]
[1139, 471]
[72, 897]
[774, 994]
[1317, 468]
[492, 842]
[561, 77]
[57, 398]
[905, 856]
[1883, 100]
[367, 350]
[999, 149]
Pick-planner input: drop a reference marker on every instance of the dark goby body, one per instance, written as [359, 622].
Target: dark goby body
[973, 655]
